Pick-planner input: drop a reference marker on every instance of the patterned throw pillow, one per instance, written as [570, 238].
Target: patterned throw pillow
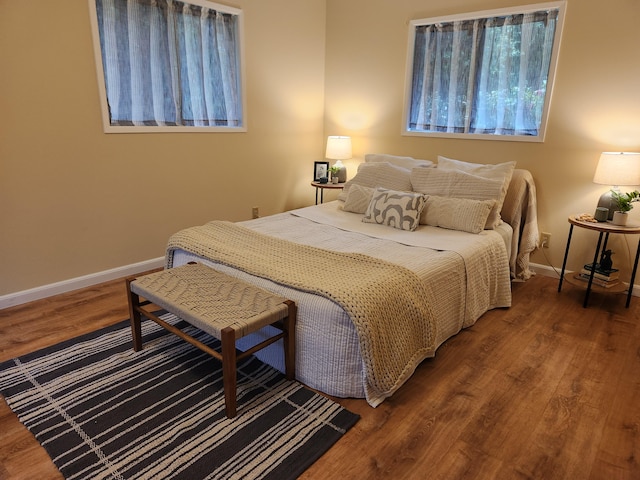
[395, 209]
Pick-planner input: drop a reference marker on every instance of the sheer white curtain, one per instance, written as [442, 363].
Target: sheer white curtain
[487, 75]
[169, 63]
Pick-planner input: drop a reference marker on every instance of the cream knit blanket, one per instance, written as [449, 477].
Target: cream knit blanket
[388, 304]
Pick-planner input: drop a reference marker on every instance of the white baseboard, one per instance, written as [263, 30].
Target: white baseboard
[44, 291]
[38, 293]
[547, 271]
[544, 270]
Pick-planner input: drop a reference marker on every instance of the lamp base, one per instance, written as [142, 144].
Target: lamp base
[342, 173]
[606, 201]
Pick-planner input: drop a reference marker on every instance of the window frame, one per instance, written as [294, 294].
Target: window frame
[523, 9]
[102, 90]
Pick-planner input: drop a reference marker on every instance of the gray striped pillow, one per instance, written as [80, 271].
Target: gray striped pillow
[358, 199]
[383, 175]
[404, 162]
[501, 171]
[443, 183]
[395, 209]
[461, 214]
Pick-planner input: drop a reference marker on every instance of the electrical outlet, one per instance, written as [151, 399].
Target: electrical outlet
[545, 239]
[255, 212]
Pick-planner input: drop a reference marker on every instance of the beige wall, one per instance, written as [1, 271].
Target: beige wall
[595, 105]
[75, 201]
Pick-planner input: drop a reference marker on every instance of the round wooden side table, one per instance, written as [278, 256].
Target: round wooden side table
[604, 229]
[322, 186]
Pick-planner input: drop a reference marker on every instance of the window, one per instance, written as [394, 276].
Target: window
[166, 65]
[483, 75]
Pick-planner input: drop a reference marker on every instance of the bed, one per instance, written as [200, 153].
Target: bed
[377, 291]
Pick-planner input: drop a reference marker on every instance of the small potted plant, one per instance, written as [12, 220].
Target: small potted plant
[623, 203]
[334, 173]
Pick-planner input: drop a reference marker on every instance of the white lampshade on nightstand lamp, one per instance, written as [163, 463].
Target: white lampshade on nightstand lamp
[338, 149]
[616, 169]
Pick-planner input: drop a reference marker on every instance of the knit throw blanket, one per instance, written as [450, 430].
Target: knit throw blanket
[387, 303]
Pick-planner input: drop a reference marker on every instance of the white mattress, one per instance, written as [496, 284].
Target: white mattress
[328, 353]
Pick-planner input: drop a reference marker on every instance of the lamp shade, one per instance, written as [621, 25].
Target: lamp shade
[338, 148]
[618, 168]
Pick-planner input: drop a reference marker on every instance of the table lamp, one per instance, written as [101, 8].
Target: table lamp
[616, 169]
[338, 149]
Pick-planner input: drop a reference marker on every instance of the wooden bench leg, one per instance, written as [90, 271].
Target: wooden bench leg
[289, 341]
[229, 370]
[134, 316]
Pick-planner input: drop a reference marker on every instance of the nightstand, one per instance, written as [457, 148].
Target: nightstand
[604, 229]
[322, 186]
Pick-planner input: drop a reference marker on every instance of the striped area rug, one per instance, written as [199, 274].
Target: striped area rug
[102, 410]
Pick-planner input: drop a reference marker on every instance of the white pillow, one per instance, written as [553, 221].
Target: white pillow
[374, 175]
[399, 210]
[358, 199]
[456, 213]
[486, 170]
[443, 183]
[500, 171]
[404, 162]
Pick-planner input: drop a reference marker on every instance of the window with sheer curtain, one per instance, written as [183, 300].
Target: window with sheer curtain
[483, 75]
[168, 65]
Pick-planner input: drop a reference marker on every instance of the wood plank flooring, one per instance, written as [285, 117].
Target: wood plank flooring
[542, 390]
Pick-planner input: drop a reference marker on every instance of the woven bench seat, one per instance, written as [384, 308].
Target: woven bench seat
[218, 304]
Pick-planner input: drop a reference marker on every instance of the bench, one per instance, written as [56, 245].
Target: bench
[218, 304]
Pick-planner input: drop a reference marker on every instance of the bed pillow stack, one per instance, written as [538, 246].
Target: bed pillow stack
[457, 195]
[501, 172]
[463, 180]
[459, 185]
[386, 171]
[379, 174]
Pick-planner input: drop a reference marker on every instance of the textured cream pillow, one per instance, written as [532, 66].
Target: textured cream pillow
[500, 171]
[404, 162]
[486, 170]
[399, 210]
[456, 213]
[374, 175]
[443, 183]
[358, 199]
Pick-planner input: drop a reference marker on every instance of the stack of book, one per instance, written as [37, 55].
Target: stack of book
[602, 277]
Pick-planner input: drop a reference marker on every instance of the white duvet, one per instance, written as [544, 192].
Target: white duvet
[468, 272]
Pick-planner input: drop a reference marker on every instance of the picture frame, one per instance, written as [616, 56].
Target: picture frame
[320, 170]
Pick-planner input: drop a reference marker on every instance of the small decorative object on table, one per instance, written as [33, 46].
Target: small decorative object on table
[335, 169]
[604, 274]
[605, 260]
[320, 172]
[623, 204]
[601, 214]
[586, 217]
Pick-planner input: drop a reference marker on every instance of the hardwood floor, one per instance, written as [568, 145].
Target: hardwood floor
[543, 390]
